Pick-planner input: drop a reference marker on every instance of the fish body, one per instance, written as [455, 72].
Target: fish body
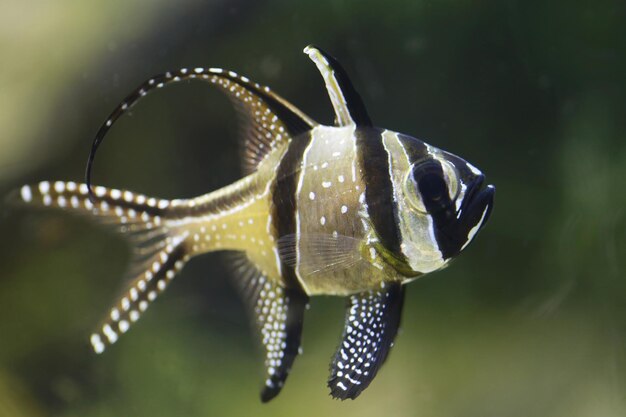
[349, 210]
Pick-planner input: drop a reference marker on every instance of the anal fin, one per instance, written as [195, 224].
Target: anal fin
[278, 315]
[372, 321]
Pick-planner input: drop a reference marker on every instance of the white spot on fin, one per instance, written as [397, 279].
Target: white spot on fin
[26, 194]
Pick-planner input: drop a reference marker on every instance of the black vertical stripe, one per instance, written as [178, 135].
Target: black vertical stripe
[284, 200]
[382, 209]
[441, 209]
[449, 230]
[417, 150]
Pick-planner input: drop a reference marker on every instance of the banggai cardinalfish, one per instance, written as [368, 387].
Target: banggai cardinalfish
[350, 210]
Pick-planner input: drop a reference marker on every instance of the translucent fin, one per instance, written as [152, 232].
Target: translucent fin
[278, 314]
[158, 251]
[346, 101]
[268, 118]
[325, 252]
[371, 325]
[261, 128]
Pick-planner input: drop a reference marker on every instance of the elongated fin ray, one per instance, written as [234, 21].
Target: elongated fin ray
[158, 251]
[129, 212]
[278, 314]
[346, 101]
[270, 119]
[372, 322]
[158, 271]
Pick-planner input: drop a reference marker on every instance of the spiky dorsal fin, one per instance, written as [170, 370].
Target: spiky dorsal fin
[372, 321]
[348, 105]
[268, 119]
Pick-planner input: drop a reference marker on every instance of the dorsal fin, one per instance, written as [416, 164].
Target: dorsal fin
[348, 105]
[268, 118]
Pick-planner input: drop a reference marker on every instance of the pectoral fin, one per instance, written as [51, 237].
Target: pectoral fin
[372, 322]
[326, 253]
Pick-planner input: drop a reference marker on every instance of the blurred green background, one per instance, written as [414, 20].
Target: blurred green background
[529, 321]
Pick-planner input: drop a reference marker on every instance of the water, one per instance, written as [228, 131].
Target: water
[528, 321]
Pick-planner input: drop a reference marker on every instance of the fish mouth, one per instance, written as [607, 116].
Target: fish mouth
[477, 205]
[455, 232]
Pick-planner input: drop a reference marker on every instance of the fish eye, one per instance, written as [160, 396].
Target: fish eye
[431, 185]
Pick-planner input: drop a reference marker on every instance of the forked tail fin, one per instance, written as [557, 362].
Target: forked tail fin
[159, 250]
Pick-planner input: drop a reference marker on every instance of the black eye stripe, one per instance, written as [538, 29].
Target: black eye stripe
[432, 187]
[429, 179]
[430, 183]
[430, 166]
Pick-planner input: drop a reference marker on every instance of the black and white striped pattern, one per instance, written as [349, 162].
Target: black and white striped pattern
[375, 159]
[348, 210]
[459, 214]
[284, 200]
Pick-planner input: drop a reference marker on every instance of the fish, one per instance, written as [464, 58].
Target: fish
[347, 210]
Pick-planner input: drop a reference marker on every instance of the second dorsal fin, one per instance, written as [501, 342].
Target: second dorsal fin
[268, 119]
[346, 101]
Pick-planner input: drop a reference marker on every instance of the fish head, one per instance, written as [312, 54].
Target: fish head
[443, 201]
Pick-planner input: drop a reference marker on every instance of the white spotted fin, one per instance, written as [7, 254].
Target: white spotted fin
[372, 321]
[158, 249]
[158, 229]
[278, 314]
[268, 120]
[271, 216]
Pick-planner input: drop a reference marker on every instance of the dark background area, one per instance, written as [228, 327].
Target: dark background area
[529, 321]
